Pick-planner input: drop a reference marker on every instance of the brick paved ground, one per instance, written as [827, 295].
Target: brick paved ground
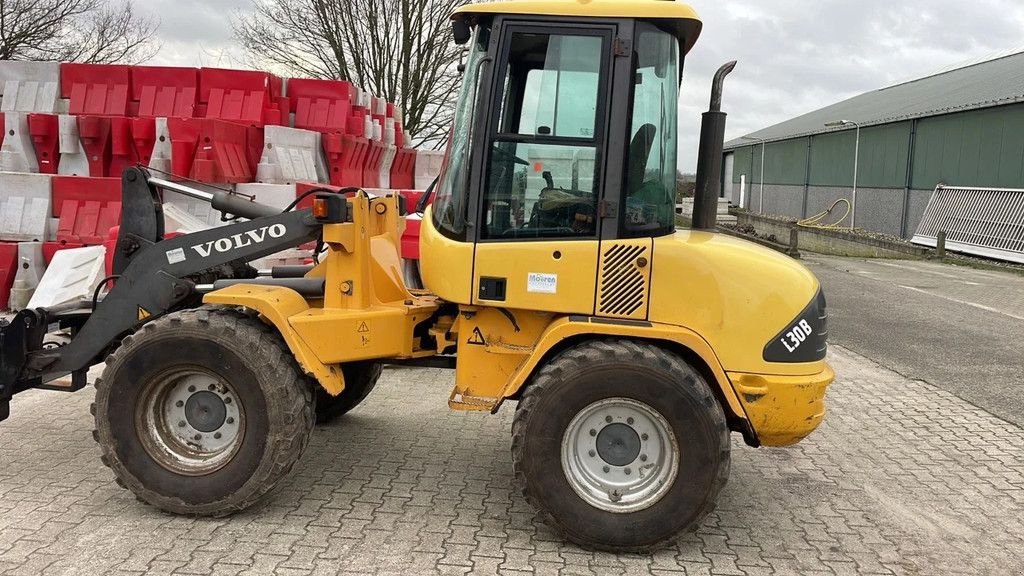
[902, 478]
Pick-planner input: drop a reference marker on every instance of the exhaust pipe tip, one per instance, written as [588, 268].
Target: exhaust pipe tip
[709, 156]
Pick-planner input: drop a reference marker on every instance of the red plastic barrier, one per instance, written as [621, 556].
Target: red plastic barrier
[46, 140]
[94, 132]
[326, 106]
[86, 208]
[214, 151]
[321, 105]
[411, 239]
[95, 89]
[242, 96]
[184, 141]
[122, 146]
[51, 248]
[345, 157]
[372, 163]
[8, 268]
[411, 198]
[144, 138]
[403, 170]
[303, 187]
[164, 92]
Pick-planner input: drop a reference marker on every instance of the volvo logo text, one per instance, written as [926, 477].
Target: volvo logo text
[235, 241]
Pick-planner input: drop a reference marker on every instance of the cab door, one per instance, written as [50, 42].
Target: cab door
[542, 178]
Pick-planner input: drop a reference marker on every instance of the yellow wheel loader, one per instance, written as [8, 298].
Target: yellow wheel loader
[555, 278]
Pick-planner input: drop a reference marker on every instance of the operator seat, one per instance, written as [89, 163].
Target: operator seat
[639, 153]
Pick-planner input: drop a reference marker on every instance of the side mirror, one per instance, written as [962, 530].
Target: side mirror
[461, 32]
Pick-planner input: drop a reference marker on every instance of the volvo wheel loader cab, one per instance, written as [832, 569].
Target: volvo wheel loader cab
[554, 278]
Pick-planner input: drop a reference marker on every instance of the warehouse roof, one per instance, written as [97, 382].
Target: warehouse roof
[978, 85]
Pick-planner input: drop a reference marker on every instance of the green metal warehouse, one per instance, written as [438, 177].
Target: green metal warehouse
[962, 127]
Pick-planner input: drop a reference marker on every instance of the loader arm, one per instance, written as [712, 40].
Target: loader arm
[153, 280]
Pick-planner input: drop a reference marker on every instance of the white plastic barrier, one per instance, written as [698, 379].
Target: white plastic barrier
[177, 219]
[30, 87]
[290, 257]
[24, 207]
[161, 157]
[276, 195]
[72, 276]
[291, 155]
[73, 159]
[428, 166]
[199, 209]
[17, 153]
[31, 266]
[388, 159]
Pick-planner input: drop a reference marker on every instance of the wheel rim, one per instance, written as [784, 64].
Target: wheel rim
[191, 422]
[620, 455]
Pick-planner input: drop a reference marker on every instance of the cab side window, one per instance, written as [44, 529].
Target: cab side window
[543, 172]
[651, 162]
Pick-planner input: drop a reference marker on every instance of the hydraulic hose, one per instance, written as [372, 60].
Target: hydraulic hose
[815, 221]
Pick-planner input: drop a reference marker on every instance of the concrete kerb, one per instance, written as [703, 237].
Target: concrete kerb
[834, 242]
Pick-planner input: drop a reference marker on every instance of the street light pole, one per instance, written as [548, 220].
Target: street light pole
[760, 200]
[856, 162]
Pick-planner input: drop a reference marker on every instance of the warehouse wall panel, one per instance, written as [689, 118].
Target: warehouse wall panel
[785, 162]
[741, 163]
[821, 198]
[976, 148]
[781, 200]
[880, 209]
[832, 159]
[915, 209]
[883, 156]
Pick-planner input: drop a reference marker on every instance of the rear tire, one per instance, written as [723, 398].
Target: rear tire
[620, 444]
[202, 412]
[360, 380]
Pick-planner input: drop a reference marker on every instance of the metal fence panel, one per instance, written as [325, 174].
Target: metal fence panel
[985, 222]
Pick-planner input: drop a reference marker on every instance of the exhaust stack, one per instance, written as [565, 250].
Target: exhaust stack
[709, 156]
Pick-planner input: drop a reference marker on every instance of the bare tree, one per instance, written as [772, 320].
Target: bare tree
[93, 31]
[400, 50]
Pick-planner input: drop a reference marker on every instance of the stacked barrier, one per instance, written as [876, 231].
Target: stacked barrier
[68, 131]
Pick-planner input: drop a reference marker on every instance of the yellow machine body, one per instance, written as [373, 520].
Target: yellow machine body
[366, 312]
[708, 295]
[718, 302]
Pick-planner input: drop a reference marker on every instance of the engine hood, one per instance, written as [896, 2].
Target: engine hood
[738, 295]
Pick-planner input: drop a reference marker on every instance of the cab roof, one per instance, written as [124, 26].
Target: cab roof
[676, 17]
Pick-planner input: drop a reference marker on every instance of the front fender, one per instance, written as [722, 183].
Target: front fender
[276, 305]
[573, 327]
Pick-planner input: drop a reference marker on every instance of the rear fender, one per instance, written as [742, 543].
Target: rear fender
[571, 328]
[276, 305]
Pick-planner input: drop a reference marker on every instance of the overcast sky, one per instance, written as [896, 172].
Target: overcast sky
[794, 55]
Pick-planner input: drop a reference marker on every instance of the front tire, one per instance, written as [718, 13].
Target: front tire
[360, 380]
[202, 412]
[621, 444]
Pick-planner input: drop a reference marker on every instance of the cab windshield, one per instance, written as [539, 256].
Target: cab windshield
[449, 207]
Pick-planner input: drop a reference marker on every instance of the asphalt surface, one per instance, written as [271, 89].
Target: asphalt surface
[958, 328]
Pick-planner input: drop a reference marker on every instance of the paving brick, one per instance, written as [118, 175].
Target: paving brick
[902, 478]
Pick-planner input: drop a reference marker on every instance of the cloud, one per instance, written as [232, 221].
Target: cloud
[196, 32]
[794, 55]
[801, 55]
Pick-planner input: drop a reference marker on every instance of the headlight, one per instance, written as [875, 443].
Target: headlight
[805, 339]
